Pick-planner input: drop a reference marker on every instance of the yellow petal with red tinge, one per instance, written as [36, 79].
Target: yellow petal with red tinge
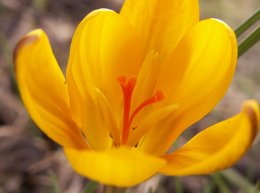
[44, 90]
[196, 77]
[161, 23]
[217, 147]
[119, 166]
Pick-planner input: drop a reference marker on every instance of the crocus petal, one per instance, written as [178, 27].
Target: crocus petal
[99, 125]
[146, 80]
[145, 86]
[161, 23]
[44, 91]
[119, 166]
[150, 121]
[204, 63]
[218, 146]
[104, 47]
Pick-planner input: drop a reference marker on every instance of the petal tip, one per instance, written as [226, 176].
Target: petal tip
[27, 39]
[252, 109]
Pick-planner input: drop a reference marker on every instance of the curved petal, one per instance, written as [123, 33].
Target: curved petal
[149, 121]
[146, 79]
[119, 167]
[104, 47]
[218, 146]
[99, 124]
[44, 90]
[161, 23]
[205, 62]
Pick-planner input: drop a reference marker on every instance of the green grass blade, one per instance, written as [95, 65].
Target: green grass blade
[239, 181]
[251, 40]
[221, 184]
[54, 183]
[178, 185]
[248, 23]
[90, 187]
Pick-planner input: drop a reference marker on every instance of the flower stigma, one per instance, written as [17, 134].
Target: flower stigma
[127, 86]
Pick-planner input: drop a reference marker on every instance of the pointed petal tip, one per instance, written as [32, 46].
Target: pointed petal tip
[29, 38]
[252, 109]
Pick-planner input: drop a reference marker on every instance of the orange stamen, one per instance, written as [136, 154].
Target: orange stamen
[158, 96]
[128, 85]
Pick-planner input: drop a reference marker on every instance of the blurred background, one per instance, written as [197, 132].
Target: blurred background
[31, 163]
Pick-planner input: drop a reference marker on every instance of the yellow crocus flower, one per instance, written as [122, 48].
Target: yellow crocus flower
[134, 82]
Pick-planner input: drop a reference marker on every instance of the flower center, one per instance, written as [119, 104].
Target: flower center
[127, 86]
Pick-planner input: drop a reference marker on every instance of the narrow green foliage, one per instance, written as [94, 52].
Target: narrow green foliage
[178, 185]
[253, 36]
[221, 184]
[248, 23]
[90, 187]
[238, 180]
[251, 40]
[54, 182]
[209, 187]
[257, 187]
[150, 190]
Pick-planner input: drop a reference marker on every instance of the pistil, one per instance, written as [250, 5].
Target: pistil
[127, 86]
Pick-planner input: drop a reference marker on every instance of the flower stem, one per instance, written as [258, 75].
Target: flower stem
[247, 23]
